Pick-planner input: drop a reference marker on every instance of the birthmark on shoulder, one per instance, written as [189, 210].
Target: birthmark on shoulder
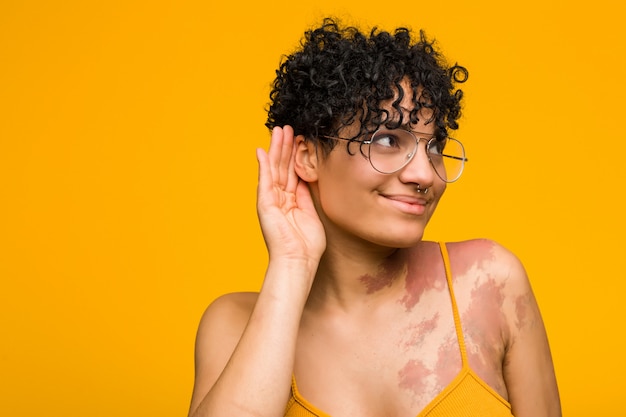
[486, 302]
[525, 309]
[476, 255]
[387, 273]
[486, 322]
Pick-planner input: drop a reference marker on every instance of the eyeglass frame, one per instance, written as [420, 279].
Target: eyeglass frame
[362, 142]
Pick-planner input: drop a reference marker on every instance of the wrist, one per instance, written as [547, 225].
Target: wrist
[289, 276]
[293, 265]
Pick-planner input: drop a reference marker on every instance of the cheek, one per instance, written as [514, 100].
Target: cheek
[439, 189]
[344, 183]
[340, 200]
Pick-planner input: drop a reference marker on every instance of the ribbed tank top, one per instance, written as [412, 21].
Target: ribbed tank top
[466, 396]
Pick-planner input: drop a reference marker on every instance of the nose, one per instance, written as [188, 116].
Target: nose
[419, 170]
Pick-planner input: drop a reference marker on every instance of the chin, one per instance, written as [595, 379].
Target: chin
[404, 239]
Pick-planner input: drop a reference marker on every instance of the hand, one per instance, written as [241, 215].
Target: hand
[291, 226]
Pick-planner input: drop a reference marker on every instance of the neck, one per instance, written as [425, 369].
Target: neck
[349, 277]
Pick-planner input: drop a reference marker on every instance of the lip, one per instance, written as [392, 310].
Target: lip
[407, 204]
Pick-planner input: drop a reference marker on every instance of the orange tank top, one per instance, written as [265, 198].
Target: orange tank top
[466, 396]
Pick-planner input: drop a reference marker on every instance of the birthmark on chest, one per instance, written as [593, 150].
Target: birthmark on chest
[414, 377]
[418, 332]
[387, 273]
[428, 377]
[418, 283]
[448, 361]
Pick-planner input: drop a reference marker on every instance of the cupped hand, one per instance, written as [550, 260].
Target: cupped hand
[290, 224]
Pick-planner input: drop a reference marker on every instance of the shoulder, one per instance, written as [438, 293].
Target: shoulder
[219, 331]
[489, 258]
[500, 310]
[223, 323]
[236, 301]
[489, 277]
[228, 313]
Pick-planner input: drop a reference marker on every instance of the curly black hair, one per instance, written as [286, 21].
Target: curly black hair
[340, 75]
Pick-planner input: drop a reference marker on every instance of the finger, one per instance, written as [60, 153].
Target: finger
[274, 153]
[286, 156]
[265, 174]
[292, 177]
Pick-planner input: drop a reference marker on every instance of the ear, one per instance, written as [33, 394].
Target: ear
[306, 159]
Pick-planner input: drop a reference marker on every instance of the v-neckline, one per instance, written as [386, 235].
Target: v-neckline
[464, 372]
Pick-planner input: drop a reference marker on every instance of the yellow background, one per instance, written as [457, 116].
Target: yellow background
[128, 177]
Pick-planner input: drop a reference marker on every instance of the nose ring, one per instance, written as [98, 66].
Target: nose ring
[419, 190]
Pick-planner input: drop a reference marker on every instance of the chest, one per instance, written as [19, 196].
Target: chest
[392, 364]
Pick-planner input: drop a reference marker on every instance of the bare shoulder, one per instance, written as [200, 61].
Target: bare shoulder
[227, 316]
[219, 331]
[491, 281]
[493, 278]
[490, 260]
[232, 303]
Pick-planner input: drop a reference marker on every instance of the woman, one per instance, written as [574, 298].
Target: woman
[357, 315]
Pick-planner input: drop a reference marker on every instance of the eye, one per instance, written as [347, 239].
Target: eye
[436, 147]
[386, 141]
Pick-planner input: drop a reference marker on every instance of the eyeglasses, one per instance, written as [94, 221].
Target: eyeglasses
[390, 150]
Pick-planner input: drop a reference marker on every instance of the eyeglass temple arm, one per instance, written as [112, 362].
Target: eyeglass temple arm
[458, 158]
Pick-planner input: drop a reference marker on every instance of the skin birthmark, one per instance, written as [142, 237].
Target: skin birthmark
[523, 311]
[467, 260]
[448, 361]
[418, 332]
[486, 309]
[386, 274]
[487, 299]
[485, 331]
[418, 283]
[413, 377]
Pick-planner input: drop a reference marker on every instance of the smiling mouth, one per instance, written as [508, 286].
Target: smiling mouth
[407, 204]
[406, 199]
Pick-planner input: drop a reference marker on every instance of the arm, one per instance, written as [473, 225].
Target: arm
[244, 361]
[528, 368]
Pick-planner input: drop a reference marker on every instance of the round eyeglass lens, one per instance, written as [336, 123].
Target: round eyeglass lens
[391, 150]
[448, 158]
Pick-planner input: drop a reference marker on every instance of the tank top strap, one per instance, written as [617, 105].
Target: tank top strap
[455, 309]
